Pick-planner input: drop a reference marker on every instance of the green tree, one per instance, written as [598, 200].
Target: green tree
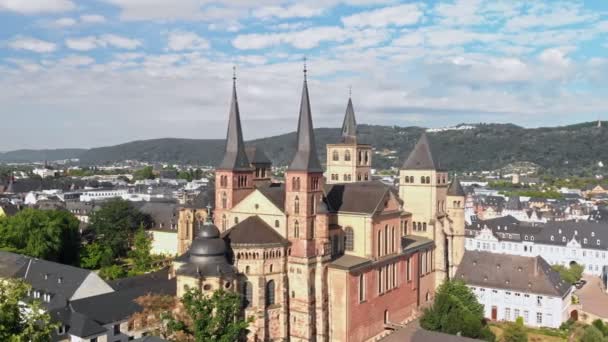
[515, 332]
[115, 223]
[96, 255]
[22, 320]
[593, 334]
[570, 274]
[142, 245]
[46, 234]
[112, 272]
[210, 318]
[456, 310]
[145, 173]
[599, 324]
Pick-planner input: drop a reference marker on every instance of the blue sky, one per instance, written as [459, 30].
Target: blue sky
[98, 72]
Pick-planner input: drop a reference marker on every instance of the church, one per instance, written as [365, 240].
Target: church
[325, 255]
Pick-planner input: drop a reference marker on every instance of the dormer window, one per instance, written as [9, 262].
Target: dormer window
[585, 240]
[559, 231]
[598, 242]
[531, 238]
[563, 239]
[552, 238]
[576, 232]
[526, 237]
[592, 234]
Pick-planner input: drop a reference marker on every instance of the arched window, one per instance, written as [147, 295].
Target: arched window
[422, 180]
[349, 239]
[224, 200]
[366, 157]
[276, 223]
[224, 222]
[295, 183]
[296, 229]
[247, 293]
[347, 155]
[420, 226]
[424, 226]
[385, 239]
[361, 288]
[428, 180]
[296, 205]
[379, 242]
[236, 220]
[270, 293]
[358, 177]
[393, 239]
[360, 157]
[366, 176]
[335, 156]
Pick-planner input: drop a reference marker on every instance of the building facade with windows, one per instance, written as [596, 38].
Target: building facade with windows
[560, 243]
[515, 286]
[322, 259]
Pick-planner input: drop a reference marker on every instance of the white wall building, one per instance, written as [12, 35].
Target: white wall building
[509, 287]
[564, 242]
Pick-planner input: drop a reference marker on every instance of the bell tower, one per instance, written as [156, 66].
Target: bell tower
[348, 161]
[234, 175]
[456, 198]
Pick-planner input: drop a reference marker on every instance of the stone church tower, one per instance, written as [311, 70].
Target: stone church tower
[456, 199]
[423, 188]
[304, 192]
[234, 175]
[348, 161]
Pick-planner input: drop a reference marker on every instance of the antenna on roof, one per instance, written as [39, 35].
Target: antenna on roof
[350, 91]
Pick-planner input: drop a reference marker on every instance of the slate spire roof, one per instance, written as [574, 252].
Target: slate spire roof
[235, 157]
[305, 158]
[421, 157]
[349, 126]
[455, 188]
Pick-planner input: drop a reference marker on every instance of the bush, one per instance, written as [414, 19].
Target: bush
[112, 272]
[592, 334]
[515, 333]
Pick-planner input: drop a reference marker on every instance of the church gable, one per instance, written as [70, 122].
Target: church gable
[390, 203]
[257, 203]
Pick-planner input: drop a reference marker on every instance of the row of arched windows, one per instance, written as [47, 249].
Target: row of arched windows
[385, 242]
[223, 181]
[419, 226]
[248, 293]
[423, 179]
[363, 157]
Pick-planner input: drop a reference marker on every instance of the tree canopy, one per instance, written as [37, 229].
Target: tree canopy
[456, 311]
[115, 224]
[570, 274]
[46, 234]
[215, 317]
[22, 320]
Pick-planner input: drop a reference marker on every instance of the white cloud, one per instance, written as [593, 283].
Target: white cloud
[400, 15]
[298, 10]
[305, 39]
[92, 18]
[64, 22]
[555, 14]
[92, 42]
[555, 57]
[82, 44]
[120, 42]
[158, 9]
[180, 41]
[32, 44]
[36, 6]
[77, 60]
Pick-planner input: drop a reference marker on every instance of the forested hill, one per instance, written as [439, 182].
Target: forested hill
[566, 149]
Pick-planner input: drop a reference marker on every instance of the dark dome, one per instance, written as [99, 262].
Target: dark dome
[209, 231]
[207, 247]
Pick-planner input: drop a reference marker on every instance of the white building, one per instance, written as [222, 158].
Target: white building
[103, 194]
[513, 286]
[564, 242]
[45, 172]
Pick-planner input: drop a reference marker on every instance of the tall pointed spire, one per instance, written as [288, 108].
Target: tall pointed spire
[349, 125]
[235, 157]
[455, 188]
[421, 157]
[305, 158]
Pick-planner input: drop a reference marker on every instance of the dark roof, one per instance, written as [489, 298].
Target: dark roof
[254, 231]
[206, 197]
[506, 228]
[81, 326]
[256, 155]
[9, 208]
[511, 272]
[414, 333]
[235, 157]
[495, 201]
[12, 265]
[421, 157]
[120, 305]
[349, 125]
[513, 203]
[275, 192]
[412, 243]
[305, 157]
[455, 188]
[357, 197]
[164, 214]
[599, 215]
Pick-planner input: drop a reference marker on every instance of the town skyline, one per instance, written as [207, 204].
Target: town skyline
[104, 71]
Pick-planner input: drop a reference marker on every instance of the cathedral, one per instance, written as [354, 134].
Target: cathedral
[325, 255]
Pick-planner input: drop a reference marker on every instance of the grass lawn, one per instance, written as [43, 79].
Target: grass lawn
[534, 335]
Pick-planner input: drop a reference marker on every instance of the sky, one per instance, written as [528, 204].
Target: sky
[86, 73]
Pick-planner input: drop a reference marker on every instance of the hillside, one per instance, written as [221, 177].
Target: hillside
[567, 149]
